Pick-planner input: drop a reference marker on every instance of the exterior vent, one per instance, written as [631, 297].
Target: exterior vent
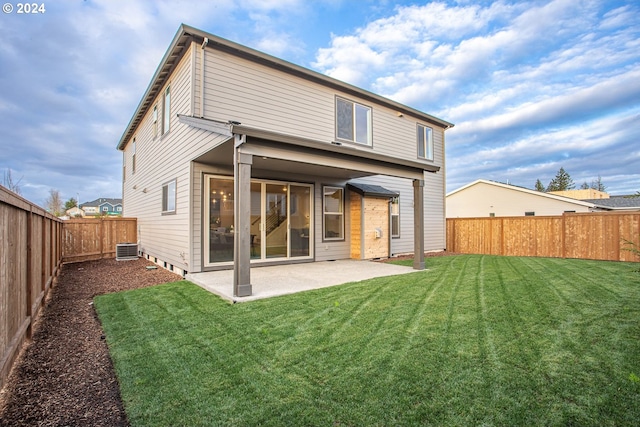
[126, 251]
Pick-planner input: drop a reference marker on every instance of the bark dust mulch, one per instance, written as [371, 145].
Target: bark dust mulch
[64, 375]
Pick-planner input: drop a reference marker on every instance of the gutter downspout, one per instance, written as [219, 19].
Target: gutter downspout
[203, 46]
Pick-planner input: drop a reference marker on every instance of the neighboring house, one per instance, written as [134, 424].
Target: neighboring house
[484, 198]
[102, 206]
[235, 158]
[74, 212]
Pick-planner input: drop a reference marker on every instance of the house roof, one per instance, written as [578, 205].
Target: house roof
[102, 200]
[524, 190]
[368, 190]
[617, 202]
[186, 34]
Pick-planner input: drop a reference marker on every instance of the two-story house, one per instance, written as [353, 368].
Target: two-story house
[102, 206]
[235, 158]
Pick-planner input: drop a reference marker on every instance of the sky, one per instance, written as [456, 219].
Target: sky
[531, 86]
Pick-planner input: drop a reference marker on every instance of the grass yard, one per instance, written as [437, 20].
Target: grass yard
[475, 340]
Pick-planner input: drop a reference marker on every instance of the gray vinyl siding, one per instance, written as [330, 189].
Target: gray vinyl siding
[160, 160]
[262, 97]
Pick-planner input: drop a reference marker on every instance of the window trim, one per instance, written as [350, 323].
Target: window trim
[394, 201]
[166, 194]
[354, 104]
[324, 214]
[428, 148]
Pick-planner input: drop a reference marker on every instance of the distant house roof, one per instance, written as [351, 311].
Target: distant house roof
[101, 201]
[617, 202]
[525, 190]
[368, 190]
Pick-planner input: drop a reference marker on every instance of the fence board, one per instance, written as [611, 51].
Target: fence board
[96, 238]
[30, 258]
[595, 235]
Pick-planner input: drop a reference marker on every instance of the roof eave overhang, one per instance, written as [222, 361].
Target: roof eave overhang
[348, 151]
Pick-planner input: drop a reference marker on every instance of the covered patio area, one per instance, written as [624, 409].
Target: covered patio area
[279, 280]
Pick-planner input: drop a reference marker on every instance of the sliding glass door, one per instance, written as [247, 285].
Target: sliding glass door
[281, 220]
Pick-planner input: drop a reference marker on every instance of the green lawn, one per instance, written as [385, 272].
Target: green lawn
[475, 340]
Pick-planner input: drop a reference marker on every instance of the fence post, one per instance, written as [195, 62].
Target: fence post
[29, 289]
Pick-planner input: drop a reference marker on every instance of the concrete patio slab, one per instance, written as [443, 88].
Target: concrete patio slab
[278, 280]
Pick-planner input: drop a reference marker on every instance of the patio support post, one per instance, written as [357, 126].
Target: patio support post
[418, 224]
[242, 213]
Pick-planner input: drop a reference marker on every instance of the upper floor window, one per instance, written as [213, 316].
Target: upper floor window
[166, 113]
[353, 122]
[425, 142]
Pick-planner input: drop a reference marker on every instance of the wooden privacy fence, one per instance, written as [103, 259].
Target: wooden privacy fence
[30, 258]
[96, 238]
[595, 235]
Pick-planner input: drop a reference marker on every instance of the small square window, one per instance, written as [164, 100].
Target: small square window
[529, 214]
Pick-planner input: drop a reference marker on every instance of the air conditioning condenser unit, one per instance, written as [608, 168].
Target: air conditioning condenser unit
[126, 251]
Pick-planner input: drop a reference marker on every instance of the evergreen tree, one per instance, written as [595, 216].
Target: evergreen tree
[539, 186]
[71, 203]
[585, 186]
[598, 185]
[561, 182]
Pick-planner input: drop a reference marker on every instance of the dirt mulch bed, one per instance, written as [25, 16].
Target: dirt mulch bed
[64, 376]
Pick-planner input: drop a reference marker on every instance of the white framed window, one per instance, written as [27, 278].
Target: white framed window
[394, 211]
[166, 112]
[169, 197]
[105, 209]
[154, 121]
[133, 156]
[425, 142]
[353, 122]
[333, 213]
